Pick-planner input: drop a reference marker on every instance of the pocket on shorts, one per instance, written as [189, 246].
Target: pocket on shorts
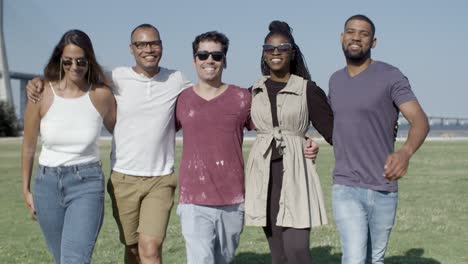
[171, 180]
[117, 177]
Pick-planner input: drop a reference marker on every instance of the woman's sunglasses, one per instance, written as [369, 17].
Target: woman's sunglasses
[285, 47]
[203, 55]
[80, 62]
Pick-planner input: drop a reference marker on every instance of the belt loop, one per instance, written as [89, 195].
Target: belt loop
[43, 170]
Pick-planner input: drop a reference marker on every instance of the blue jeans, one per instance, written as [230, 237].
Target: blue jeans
[364, 219]
[211, 233]
[69, 203]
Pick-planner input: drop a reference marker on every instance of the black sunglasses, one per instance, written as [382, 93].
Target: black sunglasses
[143, 44]
[80, 62]
[284, 47]
[203, 55]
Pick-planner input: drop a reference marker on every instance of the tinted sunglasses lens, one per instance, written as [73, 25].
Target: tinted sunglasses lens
[81, 62]
[217, 56]
[202, 55]
[283, 47]
[67, 63]
[268, 48]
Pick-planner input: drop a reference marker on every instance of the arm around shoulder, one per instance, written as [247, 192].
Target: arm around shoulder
[34, 89]
[104, 101]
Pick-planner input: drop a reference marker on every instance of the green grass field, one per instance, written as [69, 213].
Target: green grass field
[431, 227]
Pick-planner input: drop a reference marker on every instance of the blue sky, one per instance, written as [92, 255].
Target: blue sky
[427, 40]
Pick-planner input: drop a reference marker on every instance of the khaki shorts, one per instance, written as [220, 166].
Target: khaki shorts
[141, 204]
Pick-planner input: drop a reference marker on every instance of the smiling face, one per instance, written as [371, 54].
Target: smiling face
[357, 40]
[147, 57]
[209, 70]
[77, 69]
[278, 59]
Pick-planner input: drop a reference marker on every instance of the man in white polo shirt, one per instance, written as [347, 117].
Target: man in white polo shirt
[142, 182]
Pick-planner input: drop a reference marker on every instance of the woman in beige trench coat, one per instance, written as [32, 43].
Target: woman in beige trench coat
[283, 191]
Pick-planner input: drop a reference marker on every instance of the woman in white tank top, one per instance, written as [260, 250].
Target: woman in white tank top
[68, 196]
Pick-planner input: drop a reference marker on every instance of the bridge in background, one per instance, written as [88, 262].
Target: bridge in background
[23, 79]
[439, 121]
[7, 95]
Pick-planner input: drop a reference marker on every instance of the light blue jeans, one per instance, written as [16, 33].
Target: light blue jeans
[364, 219]
[211, 233]
[69, 203]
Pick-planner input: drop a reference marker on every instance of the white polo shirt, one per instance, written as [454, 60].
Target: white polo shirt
[144, 134]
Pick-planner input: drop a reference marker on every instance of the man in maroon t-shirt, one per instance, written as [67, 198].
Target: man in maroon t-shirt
[212, 115]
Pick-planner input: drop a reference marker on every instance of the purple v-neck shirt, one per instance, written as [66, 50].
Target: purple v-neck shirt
[365, 109]
[212, 166]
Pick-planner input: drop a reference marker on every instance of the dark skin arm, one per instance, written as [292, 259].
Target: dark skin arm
[396, 164]
[321, 116]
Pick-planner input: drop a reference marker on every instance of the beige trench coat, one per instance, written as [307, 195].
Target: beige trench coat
[301, 199]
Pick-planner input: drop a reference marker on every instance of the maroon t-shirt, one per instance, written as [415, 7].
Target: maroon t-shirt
[212, 166]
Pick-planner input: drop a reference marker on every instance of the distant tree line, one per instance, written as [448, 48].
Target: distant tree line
[9, 126]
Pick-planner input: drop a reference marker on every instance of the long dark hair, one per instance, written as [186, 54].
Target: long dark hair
[298, 65]
[53, 71]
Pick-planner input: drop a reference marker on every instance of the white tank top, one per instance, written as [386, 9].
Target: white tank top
[70, 131]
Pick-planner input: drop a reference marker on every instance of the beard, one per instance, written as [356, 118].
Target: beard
[356, 57]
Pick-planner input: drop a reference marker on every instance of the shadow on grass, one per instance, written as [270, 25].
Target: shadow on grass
[324, 255]
[412, 256]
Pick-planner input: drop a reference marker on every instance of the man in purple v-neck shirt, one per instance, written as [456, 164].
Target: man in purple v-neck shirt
[366, 97]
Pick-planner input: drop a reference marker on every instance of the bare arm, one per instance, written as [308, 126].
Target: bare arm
[104, 101]
[397, 163]
[111, 115]
[34, 89]
[32, 121]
